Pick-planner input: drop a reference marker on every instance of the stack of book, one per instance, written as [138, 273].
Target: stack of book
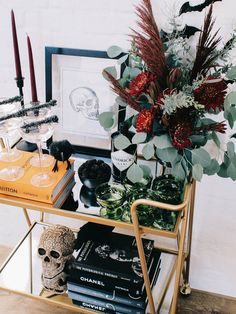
[54, 195]
[106, 275]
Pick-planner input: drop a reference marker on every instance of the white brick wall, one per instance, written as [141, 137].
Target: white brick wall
[97, 25]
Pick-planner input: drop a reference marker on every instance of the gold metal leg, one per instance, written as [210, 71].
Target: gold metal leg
[185, 288]
[42, 217]
[180, 260]
[142, 258]
[27, 218]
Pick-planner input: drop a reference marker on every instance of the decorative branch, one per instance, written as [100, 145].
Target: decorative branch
[11, 100]
[120, 91]
[23, 112]
[216, 127]
[149, 44]
[33, 125]
[206, 50]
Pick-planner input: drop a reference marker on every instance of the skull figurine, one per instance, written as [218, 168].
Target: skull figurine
[84, 99]
[55, 250]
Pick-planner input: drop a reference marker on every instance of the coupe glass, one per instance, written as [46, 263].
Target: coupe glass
[37, 133]
[7, 128]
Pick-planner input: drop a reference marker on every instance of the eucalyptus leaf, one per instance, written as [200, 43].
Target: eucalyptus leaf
[122, 59]
[231, 74]
[230, 149]
[213, 168]
[134, 173]
[207, 121]
[110, 70]
[134, 72]
[178, 171]
[215, 138]
[121, 142]
[162, 141]
[148, 151]
[167, 154]
[107, 120]
[139, 137]
[223, 171]
[146, 171]
[230, 100]
[114, 51]
[231, 171]
[126, 72]
[197, 172]
[200, 156]
[199, 140]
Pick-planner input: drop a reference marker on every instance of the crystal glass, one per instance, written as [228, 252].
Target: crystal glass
[7, 128]
[110, 196]
[35, 131]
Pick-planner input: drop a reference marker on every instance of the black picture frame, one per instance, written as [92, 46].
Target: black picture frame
[49, 52]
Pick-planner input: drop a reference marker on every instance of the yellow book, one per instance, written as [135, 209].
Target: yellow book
[24, 189]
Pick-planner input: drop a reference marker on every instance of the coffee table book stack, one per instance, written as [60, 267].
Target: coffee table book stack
[106, 275]
[53, 195]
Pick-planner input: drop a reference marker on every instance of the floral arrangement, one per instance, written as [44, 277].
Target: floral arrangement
[176, 96]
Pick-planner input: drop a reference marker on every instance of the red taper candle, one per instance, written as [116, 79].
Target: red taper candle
[32, 75]
[16, 48]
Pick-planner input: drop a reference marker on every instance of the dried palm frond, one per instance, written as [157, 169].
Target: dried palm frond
[206, 51]
[121, 91]
[149, 44]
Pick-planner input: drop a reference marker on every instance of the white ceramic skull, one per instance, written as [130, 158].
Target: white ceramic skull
[55, 250]
[84, 99]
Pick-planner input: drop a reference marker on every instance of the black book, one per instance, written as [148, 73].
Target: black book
[114, 257]
[114, 295]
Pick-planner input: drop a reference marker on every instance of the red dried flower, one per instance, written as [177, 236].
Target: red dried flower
[180, 135]
[211, 94]
[145, 120]
[140, 83]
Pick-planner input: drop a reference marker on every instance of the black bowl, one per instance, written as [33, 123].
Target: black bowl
[93, 183]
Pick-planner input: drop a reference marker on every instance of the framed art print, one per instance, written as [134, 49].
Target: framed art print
[74, 78]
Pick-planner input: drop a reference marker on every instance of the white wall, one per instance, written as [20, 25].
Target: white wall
[97, 24]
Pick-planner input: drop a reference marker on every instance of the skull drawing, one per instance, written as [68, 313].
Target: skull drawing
[55, 249]
[85, 100]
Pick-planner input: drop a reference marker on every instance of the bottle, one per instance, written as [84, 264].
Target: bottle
[122, 159]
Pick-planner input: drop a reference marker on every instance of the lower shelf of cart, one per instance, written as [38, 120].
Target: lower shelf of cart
[21, 273]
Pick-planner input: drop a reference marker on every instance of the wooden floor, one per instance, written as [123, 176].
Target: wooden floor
[197, 303]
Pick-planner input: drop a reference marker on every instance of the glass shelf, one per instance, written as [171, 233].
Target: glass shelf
[21, 273]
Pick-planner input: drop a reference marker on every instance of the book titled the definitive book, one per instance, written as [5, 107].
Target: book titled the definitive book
[24, 189]
[114, 257]
[114, 295]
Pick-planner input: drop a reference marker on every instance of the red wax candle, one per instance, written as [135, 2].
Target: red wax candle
[32, 75]
[16, 48]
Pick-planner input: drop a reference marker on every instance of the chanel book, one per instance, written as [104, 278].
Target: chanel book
[113, 257]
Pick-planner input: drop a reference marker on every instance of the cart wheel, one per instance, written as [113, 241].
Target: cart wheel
[185, 289]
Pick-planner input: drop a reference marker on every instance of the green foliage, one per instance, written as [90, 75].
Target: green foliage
[230, 108]
[179, 170]
[135, 173]
[107, 120]
[114, 51]
[139, 138]
[148, 151]
[200, 156]
[197, 172]
[121, 142]
[162, 141]
[213, 168]
[167, 154]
